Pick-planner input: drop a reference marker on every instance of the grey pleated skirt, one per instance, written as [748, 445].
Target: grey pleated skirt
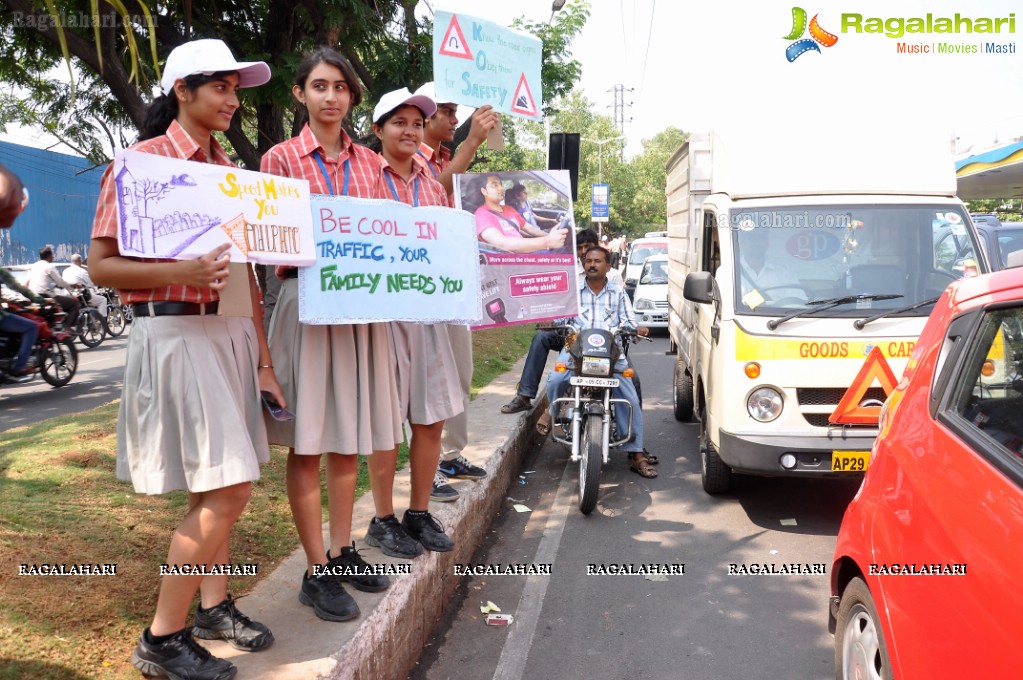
[190, 415]
[428, 380]
[338, 380]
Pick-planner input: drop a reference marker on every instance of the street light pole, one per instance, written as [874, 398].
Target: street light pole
[600, 154]
[600, 158]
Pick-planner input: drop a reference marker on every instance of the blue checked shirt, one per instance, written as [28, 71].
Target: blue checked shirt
[606, 310]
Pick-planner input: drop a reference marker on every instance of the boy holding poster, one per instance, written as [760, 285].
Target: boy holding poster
[190, 415]
[428, 378]
[339, 378]
[440, 129]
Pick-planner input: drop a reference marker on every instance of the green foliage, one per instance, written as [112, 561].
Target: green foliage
[558, 71]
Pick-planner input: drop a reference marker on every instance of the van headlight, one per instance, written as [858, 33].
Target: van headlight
[764, 404]
[643, 304]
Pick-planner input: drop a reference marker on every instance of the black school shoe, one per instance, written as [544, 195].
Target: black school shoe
[180, 658]
[225, 622]
[351, 568]
[428, 531]
[390, 536]
[328, 598]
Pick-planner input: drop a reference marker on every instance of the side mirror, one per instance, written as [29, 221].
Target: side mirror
[699, 287]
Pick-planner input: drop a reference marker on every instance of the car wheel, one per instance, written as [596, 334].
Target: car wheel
[860, 649]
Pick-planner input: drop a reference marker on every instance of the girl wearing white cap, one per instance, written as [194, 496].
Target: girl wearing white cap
[428, 379]
[190, 413]
[339, 379]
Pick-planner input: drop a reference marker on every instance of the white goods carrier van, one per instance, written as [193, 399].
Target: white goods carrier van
[797, 289]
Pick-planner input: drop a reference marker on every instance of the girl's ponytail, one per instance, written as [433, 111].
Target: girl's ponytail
[159, 115]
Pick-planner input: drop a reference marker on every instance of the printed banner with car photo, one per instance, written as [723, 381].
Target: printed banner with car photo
[526, 236]
[181, 210]
[387, 261]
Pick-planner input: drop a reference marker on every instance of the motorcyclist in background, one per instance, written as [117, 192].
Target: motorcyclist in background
[78, 276]
[13, 199]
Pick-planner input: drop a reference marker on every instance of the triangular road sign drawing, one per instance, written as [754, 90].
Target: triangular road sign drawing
[849, 411]
[523, 102]
[235, 229]
[454, 44]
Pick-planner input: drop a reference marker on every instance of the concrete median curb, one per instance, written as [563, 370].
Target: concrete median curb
[388, 637]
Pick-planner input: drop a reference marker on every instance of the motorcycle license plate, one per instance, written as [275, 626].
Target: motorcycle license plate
[850, 461]
[593, 382]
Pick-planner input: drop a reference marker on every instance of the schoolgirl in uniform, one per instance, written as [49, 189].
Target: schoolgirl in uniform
[427, 374]
[340, 379]
[190, 415]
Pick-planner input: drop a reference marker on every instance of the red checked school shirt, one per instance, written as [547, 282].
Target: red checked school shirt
[420, 190]
[176, 143]
[356, 172]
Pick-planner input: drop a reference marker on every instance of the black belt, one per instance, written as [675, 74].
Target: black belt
[167, 308]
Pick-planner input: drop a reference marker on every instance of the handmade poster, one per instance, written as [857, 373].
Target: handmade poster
[478, 62]
[526, 232]
[387, 261]
[176, 209]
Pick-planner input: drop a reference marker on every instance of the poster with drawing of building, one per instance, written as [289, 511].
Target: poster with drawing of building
[177, 209]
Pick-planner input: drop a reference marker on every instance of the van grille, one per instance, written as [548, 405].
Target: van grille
[830, 396]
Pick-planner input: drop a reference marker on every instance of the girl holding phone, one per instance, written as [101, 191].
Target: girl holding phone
[339, 379]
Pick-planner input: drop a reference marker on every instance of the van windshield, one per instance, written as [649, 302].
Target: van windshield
[787, 257]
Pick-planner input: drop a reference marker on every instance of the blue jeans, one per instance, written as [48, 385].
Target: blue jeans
[543, 342]
[557, 386]
[12, 323]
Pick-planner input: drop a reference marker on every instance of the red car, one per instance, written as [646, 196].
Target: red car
[926, 576]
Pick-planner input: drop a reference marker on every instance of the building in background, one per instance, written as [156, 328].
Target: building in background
[63, 191]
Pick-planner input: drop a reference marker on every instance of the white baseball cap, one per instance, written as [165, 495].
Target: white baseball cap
[392, 100]
[210, 56]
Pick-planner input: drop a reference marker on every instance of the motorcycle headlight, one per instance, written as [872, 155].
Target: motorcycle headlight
[597, 367]
[643, 304]
[764, 404]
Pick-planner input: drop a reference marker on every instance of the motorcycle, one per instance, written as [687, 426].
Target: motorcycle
[587, 420]
[54, 349]
[116, 319]
[90, 326]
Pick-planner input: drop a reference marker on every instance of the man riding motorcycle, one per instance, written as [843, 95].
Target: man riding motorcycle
[13, 199]
[604, 305]
[78, 277]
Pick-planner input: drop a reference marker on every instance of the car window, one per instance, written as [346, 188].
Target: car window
[654, 273]
[989, 398]
[1009, 242]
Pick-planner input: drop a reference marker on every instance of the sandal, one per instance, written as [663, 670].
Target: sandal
[641, 467]
[519, 403]
[650, 458]
[543, 425]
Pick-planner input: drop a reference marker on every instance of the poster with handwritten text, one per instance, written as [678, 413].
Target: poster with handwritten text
[181, 210]
[387, 261]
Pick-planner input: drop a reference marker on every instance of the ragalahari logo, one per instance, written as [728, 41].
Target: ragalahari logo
[817, 35]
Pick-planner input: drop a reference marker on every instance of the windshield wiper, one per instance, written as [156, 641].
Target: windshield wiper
[860, 323]
[828, 303]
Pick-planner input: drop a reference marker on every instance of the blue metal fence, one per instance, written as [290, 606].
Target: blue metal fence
[63, 191]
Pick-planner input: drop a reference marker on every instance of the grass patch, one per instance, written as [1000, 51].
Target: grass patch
[61, 503]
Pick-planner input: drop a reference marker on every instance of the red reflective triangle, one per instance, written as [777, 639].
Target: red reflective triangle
[849, 411]
[454, 44]
[523, 102]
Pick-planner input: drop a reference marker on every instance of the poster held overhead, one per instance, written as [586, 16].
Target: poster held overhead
[477, 62]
